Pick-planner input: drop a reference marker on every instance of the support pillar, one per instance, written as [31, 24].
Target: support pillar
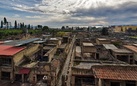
[22, 77]
[73, 81]
[100, 82]
[12, 77]
[129, 59]
[0, 74]
[95, 56]
[123, 83]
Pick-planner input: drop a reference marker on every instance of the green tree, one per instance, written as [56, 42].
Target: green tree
[18, 25]
[15, 25]
[63, 27]
[88, 29]
[29, 26]
[1, 24]
[21, 26]
[25, 26]
[105, 31]
[5, 20]
[45, 28]
[67, 27]
[39, 26]
[60, 34]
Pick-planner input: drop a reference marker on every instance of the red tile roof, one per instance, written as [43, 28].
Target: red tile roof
[116, 72]
[9, 50]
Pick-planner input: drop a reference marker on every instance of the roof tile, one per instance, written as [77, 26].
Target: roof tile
[116, 72]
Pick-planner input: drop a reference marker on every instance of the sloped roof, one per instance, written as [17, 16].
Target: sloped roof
[110, 46]
[9, 50]
[121, 51]
[21, 42]
[132, 48]
[115, 72]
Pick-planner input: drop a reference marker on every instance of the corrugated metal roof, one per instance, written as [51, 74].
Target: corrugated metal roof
[9, 50]
[39, 42]
[21, 42]
[110, 46]
[8, 41]
[115, 72]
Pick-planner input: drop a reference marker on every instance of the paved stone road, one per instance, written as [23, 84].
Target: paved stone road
[66, 65]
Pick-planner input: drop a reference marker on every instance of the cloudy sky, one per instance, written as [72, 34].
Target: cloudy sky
[56, 13]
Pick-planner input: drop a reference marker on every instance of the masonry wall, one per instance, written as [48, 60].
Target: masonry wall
[100, 42]
[27, 52]
[88, 49]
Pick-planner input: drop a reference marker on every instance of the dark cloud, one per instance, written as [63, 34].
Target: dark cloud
[71, 13]
[122, 13]
[128, 7]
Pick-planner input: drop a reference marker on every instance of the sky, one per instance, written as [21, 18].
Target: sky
[57, 13]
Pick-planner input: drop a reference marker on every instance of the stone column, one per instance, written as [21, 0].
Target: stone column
[12, 77]
[0, 74]
[115, 55]
[73, 81]
[100, 82]
[129, 59]
[95, 55]
[96, 82]
[22, 77]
